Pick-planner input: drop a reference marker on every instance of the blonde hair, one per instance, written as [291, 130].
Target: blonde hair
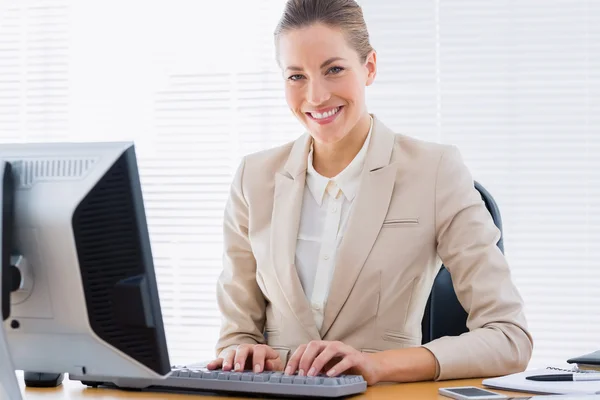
[343, 14]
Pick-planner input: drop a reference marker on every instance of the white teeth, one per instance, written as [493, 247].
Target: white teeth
[325, 114]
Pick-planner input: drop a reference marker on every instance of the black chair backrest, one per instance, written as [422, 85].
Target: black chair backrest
[444, 315]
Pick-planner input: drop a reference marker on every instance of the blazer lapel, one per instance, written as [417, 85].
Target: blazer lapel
[287, 207]
[366, 218]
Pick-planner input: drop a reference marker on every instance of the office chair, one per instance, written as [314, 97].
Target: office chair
[444, 315]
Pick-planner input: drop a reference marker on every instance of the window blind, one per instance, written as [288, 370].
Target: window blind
[515, 85]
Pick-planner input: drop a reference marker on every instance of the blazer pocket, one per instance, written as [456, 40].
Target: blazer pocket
[370, 350]
[400, 222]
[398, 337]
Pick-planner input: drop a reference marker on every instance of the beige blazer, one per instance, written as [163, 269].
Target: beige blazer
[416, 208]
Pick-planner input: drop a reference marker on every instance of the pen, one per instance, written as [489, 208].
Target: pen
[565, 377]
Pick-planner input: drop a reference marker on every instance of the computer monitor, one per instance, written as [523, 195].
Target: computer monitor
[84, 297]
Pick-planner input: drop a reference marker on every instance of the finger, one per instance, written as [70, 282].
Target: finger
[270, 365]
[312, 351]
[273, 360]
[228, 360]
[326, 355]
[259, 354]
[241, 355]
[345, 364]
[294, 360]
[273, 365]
[215, 364]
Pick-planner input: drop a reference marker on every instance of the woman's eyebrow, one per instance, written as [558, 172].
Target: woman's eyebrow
[327, 62]
[331, 60]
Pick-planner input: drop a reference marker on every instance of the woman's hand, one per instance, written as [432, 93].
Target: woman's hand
[332, 358]
[258, 357]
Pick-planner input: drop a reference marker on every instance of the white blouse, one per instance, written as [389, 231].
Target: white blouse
[325, 208]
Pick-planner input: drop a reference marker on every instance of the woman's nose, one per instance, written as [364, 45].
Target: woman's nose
[318, 93]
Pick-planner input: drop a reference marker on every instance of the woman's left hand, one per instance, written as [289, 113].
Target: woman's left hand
[332, 358]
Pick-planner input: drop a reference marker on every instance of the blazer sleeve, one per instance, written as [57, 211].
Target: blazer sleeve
[239, 298]
[498, 342]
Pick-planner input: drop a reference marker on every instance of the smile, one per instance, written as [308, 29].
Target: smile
[325, 117]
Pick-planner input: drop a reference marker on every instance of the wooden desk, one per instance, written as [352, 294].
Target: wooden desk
[71, 390]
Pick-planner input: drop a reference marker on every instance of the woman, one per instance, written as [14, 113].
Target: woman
[332, 242]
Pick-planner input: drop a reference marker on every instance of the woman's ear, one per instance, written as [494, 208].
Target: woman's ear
[371, 66]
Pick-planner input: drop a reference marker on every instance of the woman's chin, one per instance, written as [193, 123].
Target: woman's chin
[323, 134]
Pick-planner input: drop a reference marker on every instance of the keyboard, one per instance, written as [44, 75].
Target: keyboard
[193, 379]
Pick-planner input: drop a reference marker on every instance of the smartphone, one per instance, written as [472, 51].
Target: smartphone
[471, 393]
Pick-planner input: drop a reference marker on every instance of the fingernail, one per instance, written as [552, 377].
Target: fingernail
[238, 366]
[288, 371]
[225, 363]
[257, 368]
[311, 371]
[301, 372]
[331, 372]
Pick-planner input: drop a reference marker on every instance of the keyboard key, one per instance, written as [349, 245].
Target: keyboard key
[184, 374]
[288, 379]
[223, 376]
[196, 375]
[299, 380]
[330, 382]
[235, 376]
[247, 377]
[209, 375]
[311, 380]
[275, 378]
[261, 378]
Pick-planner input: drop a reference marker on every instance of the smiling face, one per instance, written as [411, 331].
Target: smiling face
[325, 81]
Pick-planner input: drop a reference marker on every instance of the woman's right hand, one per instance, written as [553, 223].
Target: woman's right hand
[256, 357]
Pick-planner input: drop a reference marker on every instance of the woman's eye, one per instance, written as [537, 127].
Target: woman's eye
[295, 77]
[336, 70]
